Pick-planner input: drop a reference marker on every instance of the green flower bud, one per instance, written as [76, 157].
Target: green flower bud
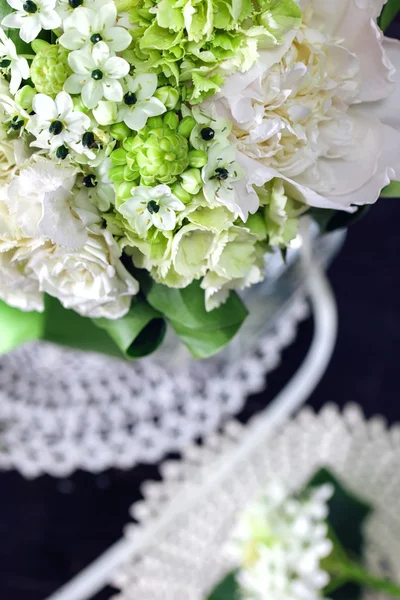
[168, 95]
[197, 158]
[24, 97]
[186, 126]
[78, 104]
[122, 192]
[50, 70]
[171, 120]
[118, 157]
[162, 156]
[256, 224]
[191, 181]
[155, 122]
[120, 131]
[39, 45]
[181, 194]
[116, 174]
[125, 5]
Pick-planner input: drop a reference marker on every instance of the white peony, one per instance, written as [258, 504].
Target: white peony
[41, 199]
[92, 280]
[324, 118]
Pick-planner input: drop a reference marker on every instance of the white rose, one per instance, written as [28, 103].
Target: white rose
[328, 125]
[92, 280]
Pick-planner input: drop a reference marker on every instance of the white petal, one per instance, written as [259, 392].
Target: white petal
[74, 84]
[165, 219]
[30, 29]
[116, 67]
[81, 62]
[16, 4]
[23, 67]
[92, 93]
[50, 20]
[145, 85]
[72, 39]
[45, 107]
[117, 38]
[108, 15]
[14, 20]
[64, 104]
[112, 90]
[100, 53]
[58, 222]
[15, 80]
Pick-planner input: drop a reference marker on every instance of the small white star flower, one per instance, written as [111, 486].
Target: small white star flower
[139, 103]
[17, 65]
[89, 27]
[65, 8]
[14, 114]
[151, 206]
[220, 176]
[31, 17]
[96, 74]
[55, 123]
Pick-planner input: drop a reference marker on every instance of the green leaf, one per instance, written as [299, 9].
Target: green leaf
[5, 9]
[17, 327]
[347, 515]
[330, 220]
[228, 589]
[137, 334]
[204, 333]
[392, 190]
[389, 13]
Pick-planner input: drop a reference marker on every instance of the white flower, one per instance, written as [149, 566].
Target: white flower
[151, 206]
[92, 281]
[103, 194]
[96, 74]
[31, 17]
[327, 126]
[236, 262]
[42, 202]
[8, 159]
[66, 8]
[55, 122]
[225, 182]
[10, 60]
[139, 103]
[279, 543]
[13, 114]
[17, 285]
[86, 26]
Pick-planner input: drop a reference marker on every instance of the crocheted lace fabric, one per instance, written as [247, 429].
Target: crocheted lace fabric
[185, 560]
[61, 410]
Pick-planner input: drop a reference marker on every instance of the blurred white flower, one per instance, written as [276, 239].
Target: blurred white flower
[279, 543]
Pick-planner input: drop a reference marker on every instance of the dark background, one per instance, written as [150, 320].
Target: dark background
[50, 529]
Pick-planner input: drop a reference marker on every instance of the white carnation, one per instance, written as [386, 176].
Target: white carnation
[92, 280]
[325, 117]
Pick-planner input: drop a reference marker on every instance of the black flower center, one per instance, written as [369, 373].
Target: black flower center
[90, 181]
[130, 98]
[30, 7]
[95, 38]
[16, 123]
[56, 127]
[75, 3]
[5, 63]
[62, 152]
[153, 207]
[88, 140]
[207, 134]
[221, 173]
[97, 74]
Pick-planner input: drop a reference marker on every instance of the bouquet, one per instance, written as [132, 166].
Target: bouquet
[154, 152]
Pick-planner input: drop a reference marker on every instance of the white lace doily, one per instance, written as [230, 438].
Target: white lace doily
[66, 410]
[186, 561]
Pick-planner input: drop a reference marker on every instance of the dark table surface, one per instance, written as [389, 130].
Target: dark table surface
[51, 529]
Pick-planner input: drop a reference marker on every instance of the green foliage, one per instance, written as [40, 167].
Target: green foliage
[392, 190]
[228, 589]
[17, 327]
[204, 333]
[389, 13]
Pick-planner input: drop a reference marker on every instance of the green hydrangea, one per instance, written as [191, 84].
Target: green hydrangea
[50, 69]
[280, 215]
[157, 154]
[197, 42]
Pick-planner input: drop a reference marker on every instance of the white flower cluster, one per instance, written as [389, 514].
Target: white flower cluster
[279, 543]
[118, 139]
